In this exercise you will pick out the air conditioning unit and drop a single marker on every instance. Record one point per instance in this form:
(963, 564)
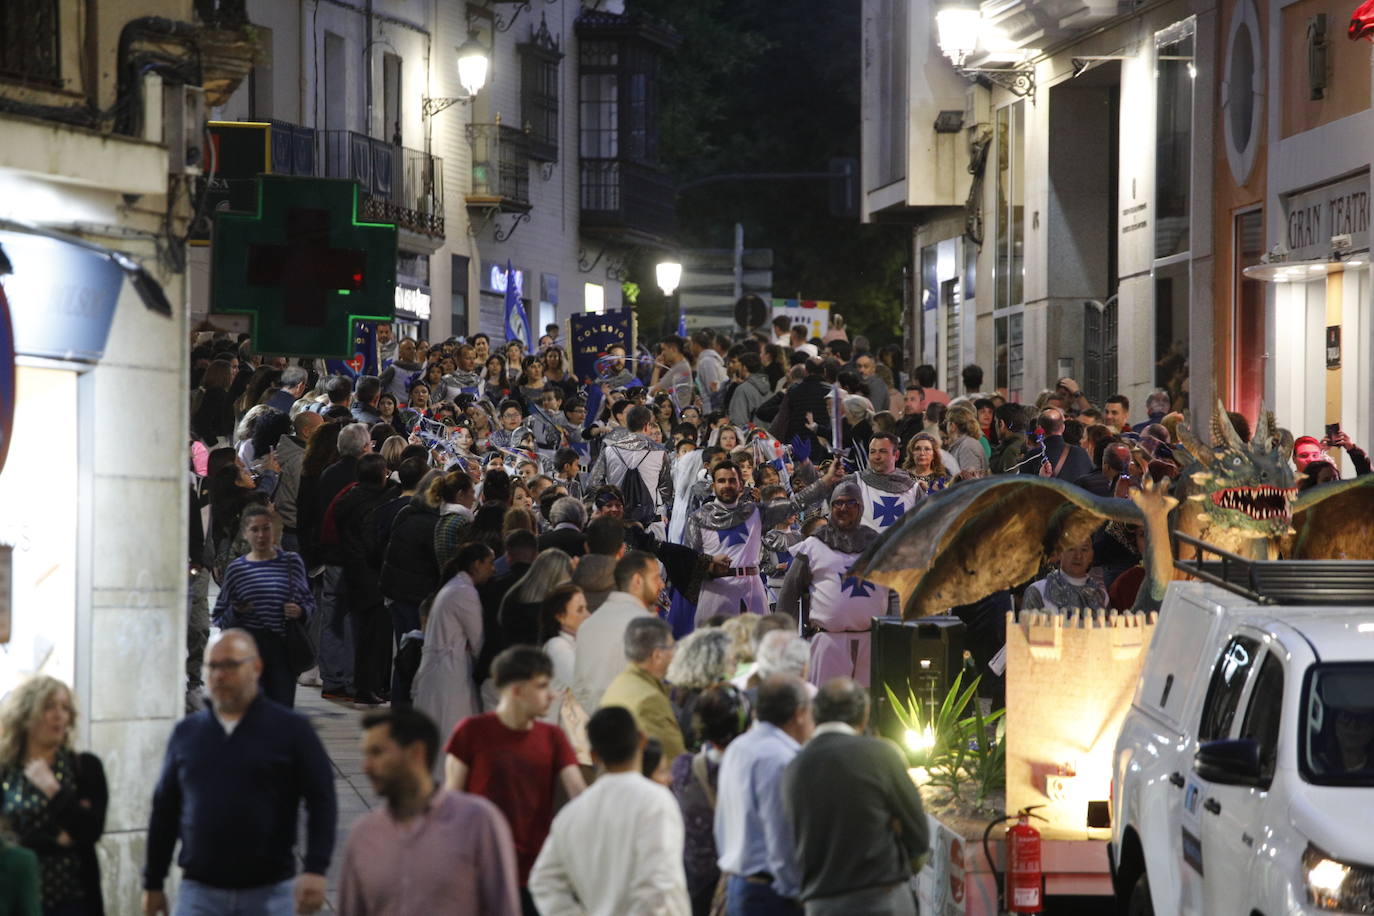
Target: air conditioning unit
(183, 128)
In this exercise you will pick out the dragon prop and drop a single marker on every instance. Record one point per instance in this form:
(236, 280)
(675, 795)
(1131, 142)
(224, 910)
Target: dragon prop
(982, 536)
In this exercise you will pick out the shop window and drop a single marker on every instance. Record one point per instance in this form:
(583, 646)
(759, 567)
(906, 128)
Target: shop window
(593, 298)
(1172, 290)
(1009, 269)
(1174, 75)
(539, 74)
(29, 41)
(458, 295)
(391, 98)
(260, 80)
(1249, 315)
(39, 525)
(1009, 355)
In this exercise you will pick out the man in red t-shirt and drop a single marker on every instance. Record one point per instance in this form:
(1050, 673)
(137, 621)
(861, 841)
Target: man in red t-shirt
(511, 758)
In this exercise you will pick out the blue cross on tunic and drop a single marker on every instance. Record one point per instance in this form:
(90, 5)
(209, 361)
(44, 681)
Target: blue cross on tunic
(733, 537)
(888, 510)
(856, 587)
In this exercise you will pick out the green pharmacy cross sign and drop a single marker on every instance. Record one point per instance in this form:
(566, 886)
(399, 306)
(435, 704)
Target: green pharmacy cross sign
(303, 267)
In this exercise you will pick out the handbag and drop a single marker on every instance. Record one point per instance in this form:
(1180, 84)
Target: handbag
(300, 648)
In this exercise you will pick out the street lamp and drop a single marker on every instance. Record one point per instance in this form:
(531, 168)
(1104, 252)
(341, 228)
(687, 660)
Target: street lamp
(669, 275)
(961, 29)
(957, 24)
(473, 64)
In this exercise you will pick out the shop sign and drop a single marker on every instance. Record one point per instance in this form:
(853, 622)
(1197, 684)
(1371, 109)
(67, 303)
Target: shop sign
(413, 302)
(592, 335)
(1314, 216)
(494, 279)
(63, 296)
(813, 313)
(304, 266)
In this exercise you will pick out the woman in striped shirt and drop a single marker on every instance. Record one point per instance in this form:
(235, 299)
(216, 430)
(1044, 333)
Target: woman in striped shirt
(260, 591)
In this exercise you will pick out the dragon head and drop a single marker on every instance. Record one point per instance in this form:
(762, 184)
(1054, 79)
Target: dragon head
(1245, 488)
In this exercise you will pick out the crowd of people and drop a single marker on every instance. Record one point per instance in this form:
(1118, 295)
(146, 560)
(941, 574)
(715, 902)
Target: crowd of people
(603, 629)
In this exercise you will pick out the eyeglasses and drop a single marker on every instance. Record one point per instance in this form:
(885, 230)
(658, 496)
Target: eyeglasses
(229, 664)
(844, 502)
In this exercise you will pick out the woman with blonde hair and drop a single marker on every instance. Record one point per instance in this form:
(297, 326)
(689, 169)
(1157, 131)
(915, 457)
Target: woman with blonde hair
(703, 659)
(53, 797)
(961, 425)
(391, 451)
(924, 463)
(519, 615)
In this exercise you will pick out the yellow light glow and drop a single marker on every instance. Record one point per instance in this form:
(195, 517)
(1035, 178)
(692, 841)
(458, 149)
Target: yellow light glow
(1327, 875)
(920, 741)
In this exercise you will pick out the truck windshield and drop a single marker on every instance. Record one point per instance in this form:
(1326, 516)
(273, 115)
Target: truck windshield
(1338, 744)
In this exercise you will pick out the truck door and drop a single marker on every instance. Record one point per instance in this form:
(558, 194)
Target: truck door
(1230, 675)
(1233, 818)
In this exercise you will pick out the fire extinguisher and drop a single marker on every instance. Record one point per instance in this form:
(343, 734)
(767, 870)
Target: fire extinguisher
(1024, 891)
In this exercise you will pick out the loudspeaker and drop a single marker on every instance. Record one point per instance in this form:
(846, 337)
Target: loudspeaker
(920, 657)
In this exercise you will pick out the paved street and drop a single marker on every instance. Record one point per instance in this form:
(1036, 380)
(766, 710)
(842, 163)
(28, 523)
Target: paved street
(338, 729)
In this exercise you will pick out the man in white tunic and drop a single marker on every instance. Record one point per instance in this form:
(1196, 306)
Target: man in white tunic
(836, 607)
(730, 532)
(887, 492)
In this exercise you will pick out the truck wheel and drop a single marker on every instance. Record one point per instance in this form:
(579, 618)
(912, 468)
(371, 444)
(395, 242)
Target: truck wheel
(1140, 903)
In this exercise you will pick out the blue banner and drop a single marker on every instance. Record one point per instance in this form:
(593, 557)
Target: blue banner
(364, 361)
(517, 322)
(591, 335)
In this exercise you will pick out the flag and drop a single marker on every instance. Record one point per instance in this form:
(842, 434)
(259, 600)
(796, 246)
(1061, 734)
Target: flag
(682, 319)
(836, 420)
(594, 399)
(517, 322)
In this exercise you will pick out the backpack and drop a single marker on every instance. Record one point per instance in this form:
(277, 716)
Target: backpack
(639, 502)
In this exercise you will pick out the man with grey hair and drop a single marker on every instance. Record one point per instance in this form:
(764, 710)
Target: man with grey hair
(331, 627)
(878, 814)
(567, 516)
(753, 837)
(836, 609)
(640, 688)
(291, 456)
(289, 389)
(1157, 406)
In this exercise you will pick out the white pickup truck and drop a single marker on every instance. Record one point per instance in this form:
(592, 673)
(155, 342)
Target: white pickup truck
(1243, 778)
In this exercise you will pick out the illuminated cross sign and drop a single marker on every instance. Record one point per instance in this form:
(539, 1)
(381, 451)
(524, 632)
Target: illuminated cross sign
(303, 267)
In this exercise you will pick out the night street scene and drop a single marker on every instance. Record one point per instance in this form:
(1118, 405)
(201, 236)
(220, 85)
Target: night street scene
(686, 457)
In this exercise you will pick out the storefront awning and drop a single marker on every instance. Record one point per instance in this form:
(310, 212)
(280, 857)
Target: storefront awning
(1300, 271)
(62, 291)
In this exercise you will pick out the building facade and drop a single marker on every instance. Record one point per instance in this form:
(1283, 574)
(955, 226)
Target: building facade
(1059, 184)
(100, 110)
(551, 168)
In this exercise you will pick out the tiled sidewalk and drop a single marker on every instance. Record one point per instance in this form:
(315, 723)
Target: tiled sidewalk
(338, 728)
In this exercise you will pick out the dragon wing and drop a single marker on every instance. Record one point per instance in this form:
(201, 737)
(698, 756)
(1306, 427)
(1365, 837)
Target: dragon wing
(1334, 521)
(982, 536)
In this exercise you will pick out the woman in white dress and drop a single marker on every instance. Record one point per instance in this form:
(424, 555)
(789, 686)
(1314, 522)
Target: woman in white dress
(444, 689)
(563, 611)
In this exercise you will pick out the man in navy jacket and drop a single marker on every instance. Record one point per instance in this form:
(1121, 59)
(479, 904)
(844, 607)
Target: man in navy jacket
(230, 790)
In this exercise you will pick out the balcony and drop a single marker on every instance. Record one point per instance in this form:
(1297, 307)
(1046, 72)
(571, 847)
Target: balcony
(500, 168)
(400, 185)
(626, 202)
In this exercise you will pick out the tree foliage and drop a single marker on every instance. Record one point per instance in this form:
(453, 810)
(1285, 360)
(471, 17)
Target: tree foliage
(773, 86)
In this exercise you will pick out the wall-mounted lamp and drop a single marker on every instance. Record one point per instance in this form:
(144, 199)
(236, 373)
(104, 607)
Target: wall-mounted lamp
(473, 63)
(960, 30)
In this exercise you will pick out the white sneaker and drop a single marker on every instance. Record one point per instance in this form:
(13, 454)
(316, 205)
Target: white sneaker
(310, 678)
